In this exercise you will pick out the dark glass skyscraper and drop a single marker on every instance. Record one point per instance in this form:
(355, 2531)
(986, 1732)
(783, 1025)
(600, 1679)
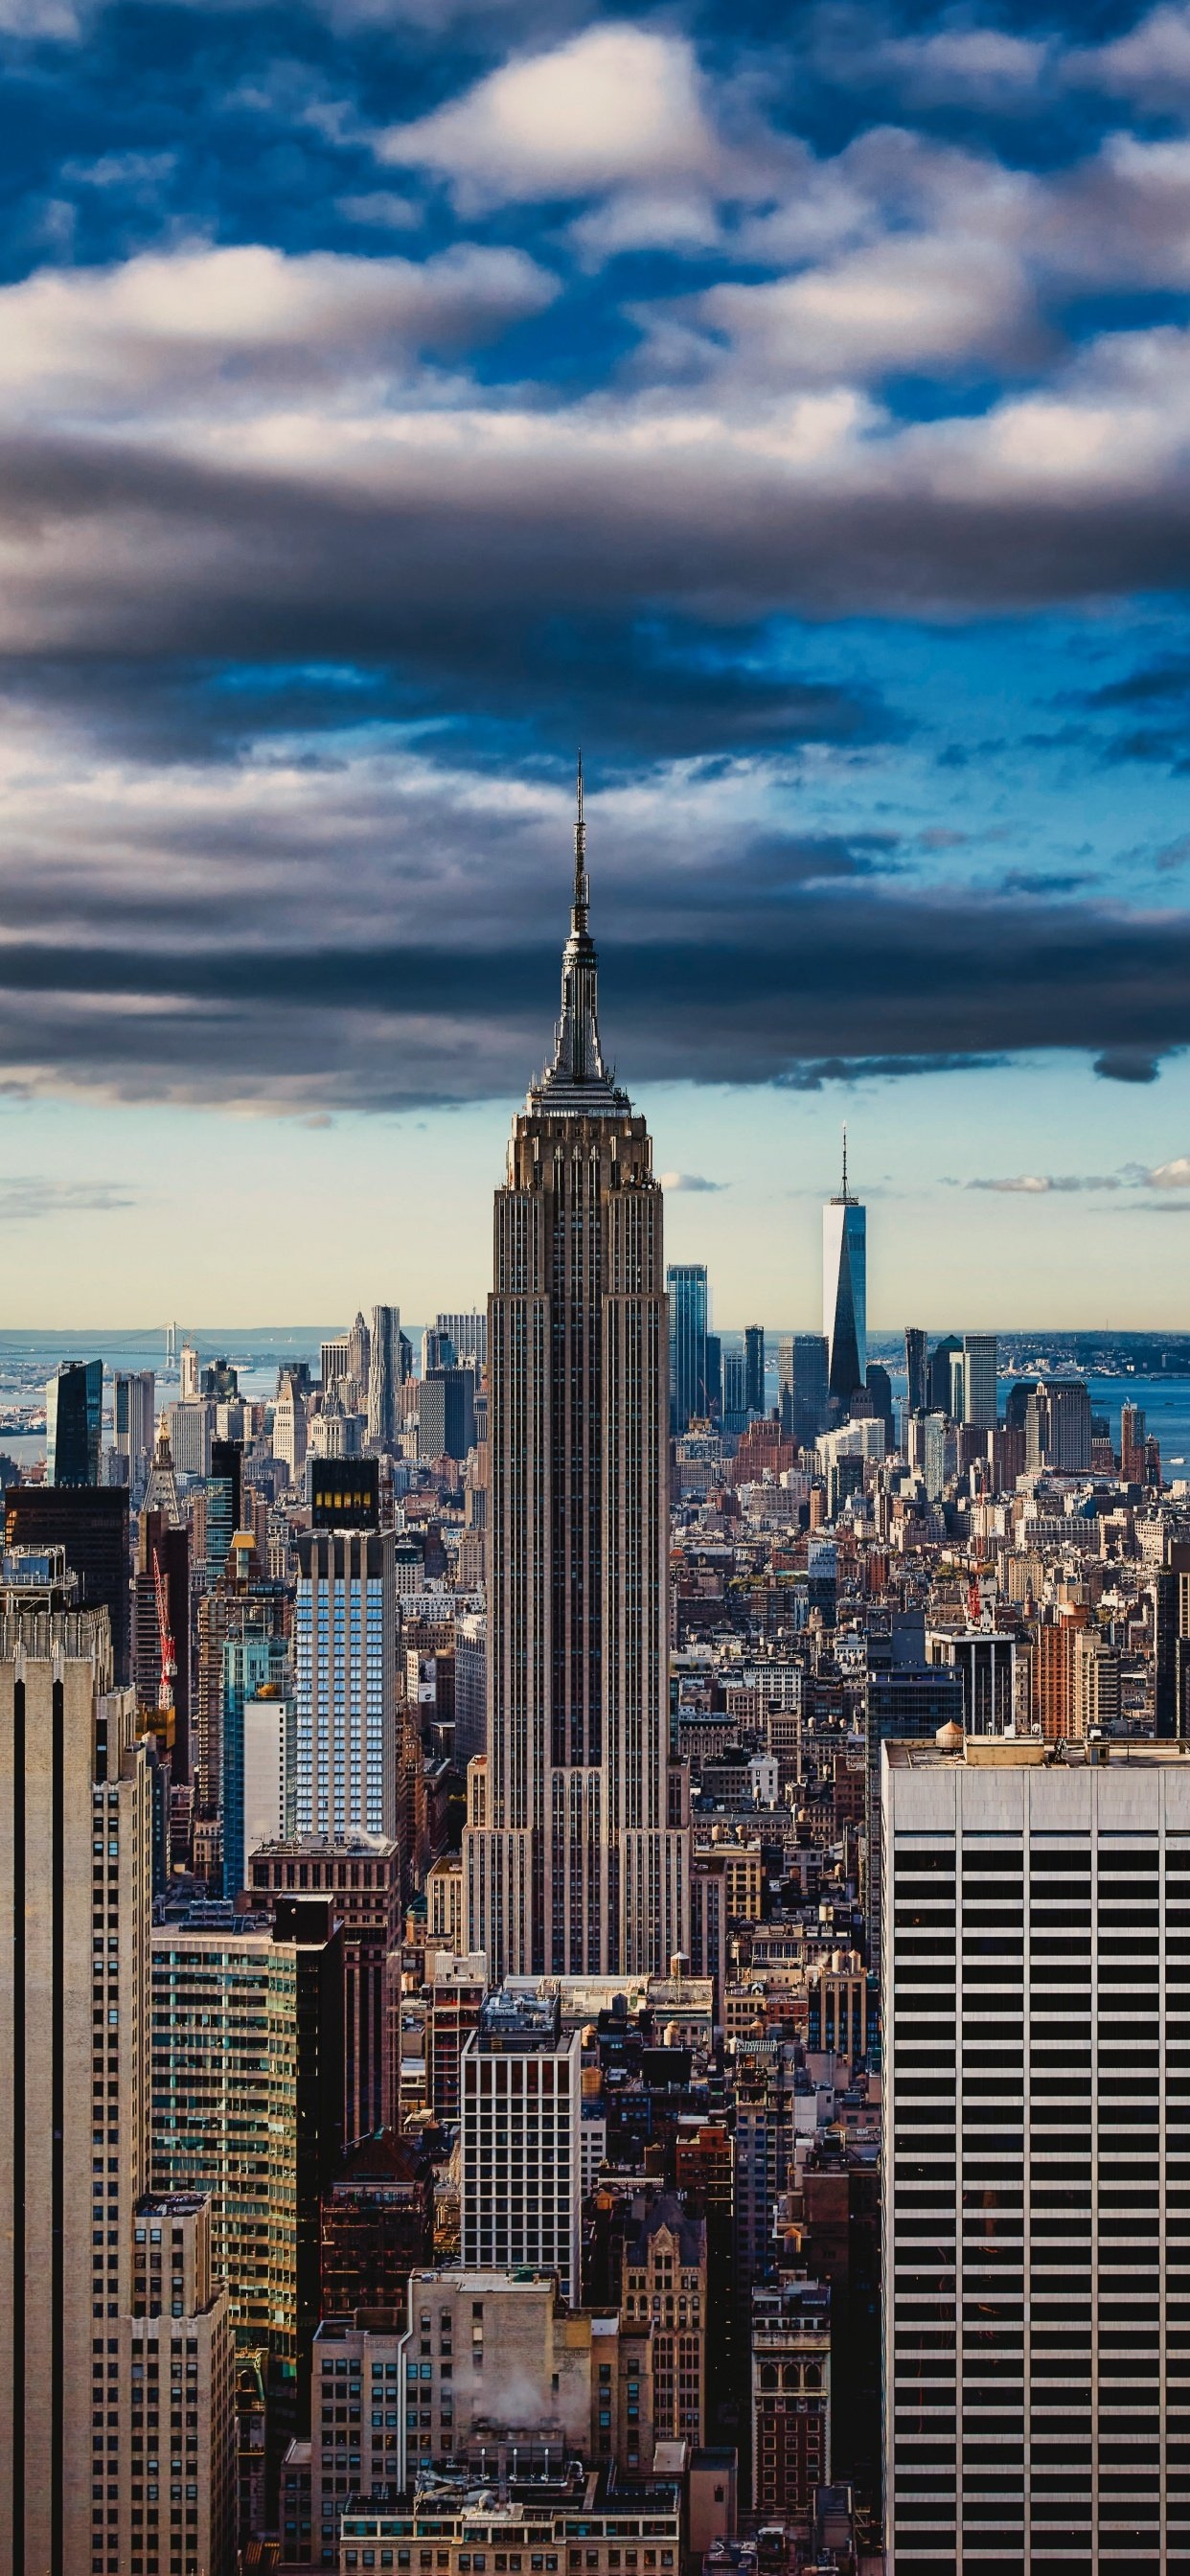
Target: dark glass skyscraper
(223, 1503)
(845, 1291)
(686, 1288)
(754, 1368)
(74, 1423)
(917, 1367)
(805, 1402)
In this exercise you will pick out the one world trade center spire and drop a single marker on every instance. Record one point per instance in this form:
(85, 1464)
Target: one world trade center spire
(845, 1294)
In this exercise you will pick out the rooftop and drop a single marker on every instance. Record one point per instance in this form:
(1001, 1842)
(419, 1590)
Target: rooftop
(1019, 1753)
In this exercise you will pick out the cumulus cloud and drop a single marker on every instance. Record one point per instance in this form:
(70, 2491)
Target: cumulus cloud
(1171, 1176)
(1150, 65)
(951, 65)
(615, 106)
(245, 325)
(678, 1181)
(903, 303)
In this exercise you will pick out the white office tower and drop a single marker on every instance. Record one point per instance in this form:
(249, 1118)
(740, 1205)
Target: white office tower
(344, 1721)
(289, 1426)
(520, 2079)
(1037, 2159)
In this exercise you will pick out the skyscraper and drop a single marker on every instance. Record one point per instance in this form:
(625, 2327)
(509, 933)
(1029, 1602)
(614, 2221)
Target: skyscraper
(754, 1368)
(133, 1420)
(75, 1851)
(979, 1380)
(345, 1682)
(845, 1291)
(521, 2083)
(289, 1426)
(917, 1367)
(735, 1390)
(576, 1853)
(1058, 1426)
(468, 1335)
(686, 1288)
(384, 1377)
(74, 1423)
(446, 1413)
(1132, 1444)
(1032, 2137)
(714, 1376)
(91, 1523)
(805, 1400)
(223, 1503)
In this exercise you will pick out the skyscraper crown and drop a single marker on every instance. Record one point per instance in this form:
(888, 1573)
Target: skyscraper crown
(578, 1079)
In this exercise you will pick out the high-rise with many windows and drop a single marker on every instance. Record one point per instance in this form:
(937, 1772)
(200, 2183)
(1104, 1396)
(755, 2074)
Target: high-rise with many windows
(75, 1897)
(1037, 2158)
(345, 1683)
(521, 2087)
(576, 1853)
(134, 1420)
(686, 1289)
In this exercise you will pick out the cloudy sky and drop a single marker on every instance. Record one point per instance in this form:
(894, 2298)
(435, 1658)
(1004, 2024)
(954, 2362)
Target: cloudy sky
(393, 393)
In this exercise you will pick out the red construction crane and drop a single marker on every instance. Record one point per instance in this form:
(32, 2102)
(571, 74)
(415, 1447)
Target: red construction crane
(169, 1660)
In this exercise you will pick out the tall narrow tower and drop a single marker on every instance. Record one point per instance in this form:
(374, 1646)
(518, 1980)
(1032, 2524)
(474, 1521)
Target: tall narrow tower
(576, 1852)
(845, 1291)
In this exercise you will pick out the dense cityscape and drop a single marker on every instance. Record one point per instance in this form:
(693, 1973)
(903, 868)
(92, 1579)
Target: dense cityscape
(571, 2079)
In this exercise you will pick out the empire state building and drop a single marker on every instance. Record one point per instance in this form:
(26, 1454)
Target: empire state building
(576, 1853)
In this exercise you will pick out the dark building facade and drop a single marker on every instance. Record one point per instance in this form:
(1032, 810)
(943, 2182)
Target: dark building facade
(310, 1923)
(754, 1368)
(74, 1423)
(223, 1503)
(171, 1547)
(361, 1875)
(377, 2225)
(446, 1413)
(805, 1394)
(91, 1523)
(344, 1493)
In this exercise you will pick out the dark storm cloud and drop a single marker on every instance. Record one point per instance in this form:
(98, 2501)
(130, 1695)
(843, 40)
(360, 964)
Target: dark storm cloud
(662, 690)
(123, 551)
(1128, 1064)
(873, 314)
(401, 1022)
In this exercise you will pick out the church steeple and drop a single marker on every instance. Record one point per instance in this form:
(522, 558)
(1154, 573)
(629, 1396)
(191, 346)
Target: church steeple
(578, 1078)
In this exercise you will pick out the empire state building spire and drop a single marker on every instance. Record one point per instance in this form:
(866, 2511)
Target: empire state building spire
(578, 1077)
(576, 1850)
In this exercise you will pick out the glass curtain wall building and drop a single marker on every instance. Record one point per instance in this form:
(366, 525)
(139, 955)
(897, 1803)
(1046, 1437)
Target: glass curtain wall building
(74, 1423)
(845, 1292)
(686, 1288)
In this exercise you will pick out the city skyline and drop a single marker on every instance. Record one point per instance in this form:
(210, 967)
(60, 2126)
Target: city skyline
(1036, 1236)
